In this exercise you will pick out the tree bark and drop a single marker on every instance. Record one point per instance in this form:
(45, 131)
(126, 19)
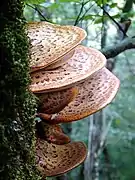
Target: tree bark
(113, 51)
(17, 104)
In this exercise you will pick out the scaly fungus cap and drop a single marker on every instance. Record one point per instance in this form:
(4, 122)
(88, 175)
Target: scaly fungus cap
(83, 64)
(94, 94)
(49, 42)
(61, 60)
(53, 160)
(53, 102)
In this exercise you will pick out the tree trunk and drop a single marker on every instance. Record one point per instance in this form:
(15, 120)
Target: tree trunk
(17, 104)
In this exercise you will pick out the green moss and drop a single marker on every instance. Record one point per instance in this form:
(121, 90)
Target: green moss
(17, 104)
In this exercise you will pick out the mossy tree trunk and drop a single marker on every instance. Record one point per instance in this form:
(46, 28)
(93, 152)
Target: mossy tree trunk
(17, 104)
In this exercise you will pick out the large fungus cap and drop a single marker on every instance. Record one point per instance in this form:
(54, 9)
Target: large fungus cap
(51, 133)
(53, 102)
(50, 42)
(94, 94)
(61, 60)
(83, 64)
(53, 160)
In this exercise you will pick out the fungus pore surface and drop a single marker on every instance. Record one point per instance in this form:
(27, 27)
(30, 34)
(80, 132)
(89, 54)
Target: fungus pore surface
(94, 94)
(50, 42)
(53, 102)
(61, 60)
(83, 64)
(54, 159)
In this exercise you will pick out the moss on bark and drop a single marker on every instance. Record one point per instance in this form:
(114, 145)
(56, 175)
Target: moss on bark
(17, 104)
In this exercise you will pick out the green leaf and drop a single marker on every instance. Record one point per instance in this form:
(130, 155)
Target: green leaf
(34, 1)
(98, 21)
(117, 122)
(129, 14)
(100, 2)
(54, 6)
(113, 5)
(116, 16)
(90, 16)
(66, 1)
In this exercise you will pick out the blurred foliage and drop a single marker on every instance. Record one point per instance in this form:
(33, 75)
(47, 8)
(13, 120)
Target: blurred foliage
(120, 141)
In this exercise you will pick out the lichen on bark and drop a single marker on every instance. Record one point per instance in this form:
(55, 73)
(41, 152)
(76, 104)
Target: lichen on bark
(17, 104)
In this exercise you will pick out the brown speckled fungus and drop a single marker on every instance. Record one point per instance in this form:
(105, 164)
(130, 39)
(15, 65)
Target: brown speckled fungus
(82, 65)
(51, 133)
(61, 61)
(54, 159)
(49, 42)
(54, 102)
(94, 94)
(71, 82)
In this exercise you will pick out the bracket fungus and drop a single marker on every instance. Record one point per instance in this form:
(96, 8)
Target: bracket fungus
(54, 102)
(53, 160)
(61, 61)
(51, 133)
(82, 65)
(49, 42)
(71, 82)
(94, 94)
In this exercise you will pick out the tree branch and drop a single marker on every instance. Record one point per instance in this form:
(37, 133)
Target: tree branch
(39, 12)
(78, 17)
(112, 51)
(118, 25)
(86, 11)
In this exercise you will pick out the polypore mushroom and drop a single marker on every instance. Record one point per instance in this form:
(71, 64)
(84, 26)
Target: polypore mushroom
(53, 46)
(51, 133)
(83, 64)
(62, 60)
(94, 94)
(53, 102)
(54, 159)
(49, 42)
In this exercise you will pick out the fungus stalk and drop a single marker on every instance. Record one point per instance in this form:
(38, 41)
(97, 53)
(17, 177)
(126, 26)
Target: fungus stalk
(17, 104)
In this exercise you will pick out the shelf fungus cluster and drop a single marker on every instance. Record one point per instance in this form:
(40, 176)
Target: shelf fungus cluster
(71, 82)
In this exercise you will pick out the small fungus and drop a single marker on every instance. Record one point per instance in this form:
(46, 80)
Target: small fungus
(51, 133)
